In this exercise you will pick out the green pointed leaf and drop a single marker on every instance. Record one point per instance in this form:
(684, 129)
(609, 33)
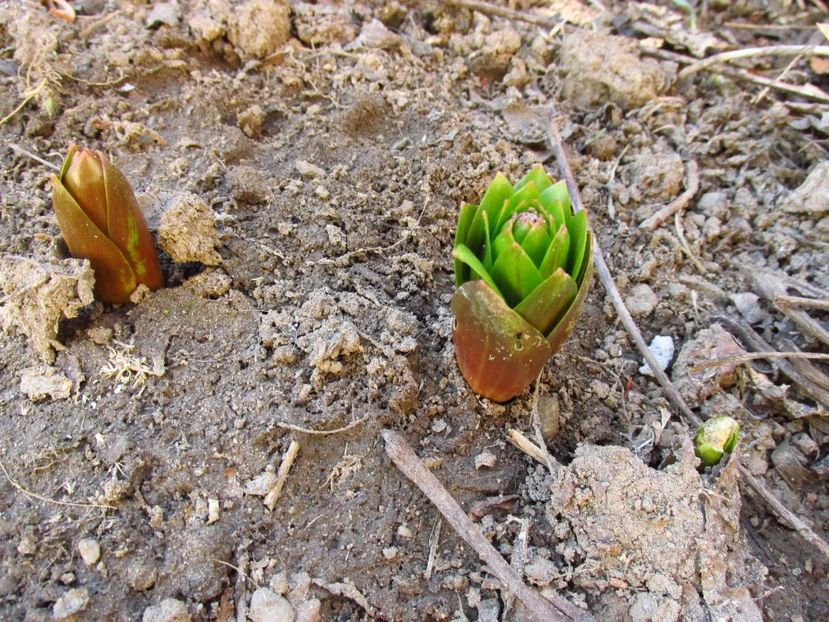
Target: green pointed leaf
(578, 242)
(556, 201)
(538, 176)
(498, 352)
(502, 241)
(536, 242)
(560, 331)
(496, 194)
(516, 274)
(557, 252)
(488, 256)
(464, 222)
(475, 235)
(464, 254)
(518, 202)
(548, 302)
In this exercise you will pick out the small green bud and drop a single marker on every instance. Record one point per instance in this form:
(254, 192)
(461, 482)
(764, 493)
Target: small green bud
(715, 437)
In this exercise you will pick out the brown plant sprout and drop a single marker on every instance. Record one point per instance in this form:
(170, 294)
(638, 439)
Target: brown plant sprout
(101, 221)
(523, 268)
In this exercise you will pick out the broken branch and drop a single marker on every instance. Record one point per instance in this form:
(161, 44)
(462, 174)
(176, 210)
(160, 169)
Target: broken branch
(543, 610)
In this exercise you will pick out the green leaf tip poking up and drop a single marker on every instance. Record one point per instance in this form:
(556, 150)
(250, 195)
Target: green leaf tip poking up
(101, 221)
(524, 246)
(714, 438)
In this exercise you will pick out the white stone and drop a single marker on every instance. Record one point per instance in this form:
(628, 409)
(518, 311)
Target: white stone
(309, 611)
(168, 610)
(641, 300)
(485, 459)
(74, 601)
(268, 606)
(44, 382)
(308, 170)
(748, 304)
(89, 550)
(812, 197)
(662, 348)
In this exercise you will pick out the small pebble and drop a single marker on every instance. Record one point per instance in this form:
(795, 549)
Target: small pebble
(641, 300)
(168, 610)
(662, 348)
(89, 550)
(485, 459)
(748, 304)
(390, 552)
(308, 170)
(212, 511)
(74, 601)
(261, 485)
(322, 192)
(268, 606)
(404, 531)
(308, 611)
(279, 583)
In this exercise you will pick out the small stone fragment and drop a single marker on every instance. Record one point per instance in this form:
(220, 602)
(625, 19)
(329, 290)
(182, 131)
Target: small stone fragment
(71, 603)
(375, 35)
(267, 606)
(748, 304)
(260, 27)
(251, 120)
(662, 348)
(141, 575)
(163, 13)
(812, 196)
(309, 611)
(213, 511)
(641, 300)
(261, 485)
(541, 571)
(168, 610)
(44, 382)
(279, 583)
(187, 231)
(390, 552)
(89, 550)
(485, 459)
(308, 170)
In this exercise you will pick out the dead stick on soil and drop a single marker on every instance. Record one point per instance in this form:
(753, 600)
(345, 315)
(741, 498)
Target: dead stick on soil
(33, 156)
(679, 203)
(34, 495)
(667, 386)
(524, 444)
(501, 11)
(346, 428)
(544, 610)
(282, 475)
(770, 50)
(29, 96)
(745, 358)
(807, 90)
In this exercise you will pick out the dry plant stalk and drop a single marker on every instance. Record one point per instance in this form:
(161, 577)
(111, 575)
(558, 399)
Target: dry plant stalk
(282, 475)
(678, 204)
(552, 608)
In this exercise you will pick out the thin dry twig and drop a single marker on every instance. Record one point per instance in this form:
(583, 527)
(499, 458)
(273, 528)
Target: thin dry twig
(502, 11)
(26, 99)
(33, 156)
(282, 475)
(800, 301)
(805, 531)
(345, 428)
(770, 50)
(521, 442)
(809, 91)
(34, 495)
(554, 607)
(779, 77)
(679, 203)
(745, 358)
